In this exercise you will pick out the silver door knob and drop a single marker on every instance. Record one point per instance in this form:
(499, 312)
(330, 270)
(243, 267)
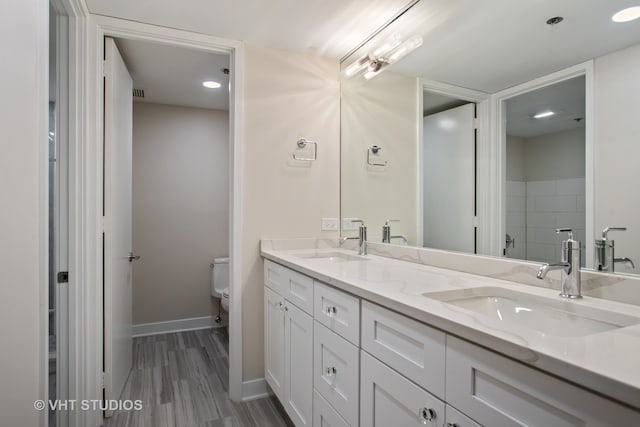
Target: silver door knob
(133, 257)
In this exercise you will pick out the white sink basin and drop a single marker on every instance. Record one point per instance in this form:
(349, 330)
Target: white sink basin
(331, 256)
(547, 316)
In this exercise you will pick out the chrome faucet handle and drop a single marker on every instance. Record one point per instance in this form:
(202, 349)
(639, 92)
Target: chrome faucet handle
(565, 230)
(358, 220)
(391, 220)
(608, 229)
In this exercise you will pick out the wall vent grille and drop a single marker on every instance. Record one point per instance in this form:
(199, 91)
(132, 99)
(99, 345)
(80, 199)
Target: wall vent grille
(138, 93)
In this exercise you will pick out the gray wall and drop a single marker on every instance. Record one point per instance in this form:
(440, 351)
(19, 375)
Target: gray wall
(287, 96)
(180, 209)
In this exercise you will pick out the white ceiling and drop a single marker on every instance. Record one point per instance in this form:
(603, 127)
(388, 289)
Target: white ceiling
(491, 45)
(172, 75)
(328, 28)
(566, 98)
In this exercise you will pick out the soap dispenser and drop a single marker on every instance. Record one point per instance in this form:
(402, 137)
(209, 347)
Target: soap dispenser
(605, 252)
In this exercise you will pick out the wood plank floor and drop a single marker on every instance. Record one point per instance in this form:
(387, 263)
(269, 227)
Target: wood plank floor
(182, 380)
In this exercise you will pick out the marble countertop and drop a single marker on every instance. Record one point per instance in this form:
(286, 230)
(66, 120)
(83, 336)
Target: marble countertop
(606, 362)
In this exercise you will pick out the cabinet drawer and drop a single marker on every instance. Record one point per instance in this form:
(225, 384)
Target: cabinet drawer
(389, 399)
(324, 415)
(336, 372)
(455, 418)
(295, 287)
(338, 311)
(410, 347)
(497, 391)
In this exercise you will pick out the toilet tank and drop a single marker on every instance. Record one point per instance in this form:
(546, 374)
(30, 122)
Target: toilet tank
(219, 276)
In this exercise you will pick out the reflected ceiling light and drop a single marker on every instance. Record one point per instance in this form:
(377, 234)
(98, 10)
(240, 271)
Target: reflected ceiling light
(544, 114)
(210, 84)
(381, 57)
(626, 15)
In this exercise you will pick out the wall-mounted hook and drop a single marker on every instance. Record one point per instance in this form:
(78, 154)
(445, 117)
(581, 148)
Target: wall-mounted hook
(302, 143)
(374, 149)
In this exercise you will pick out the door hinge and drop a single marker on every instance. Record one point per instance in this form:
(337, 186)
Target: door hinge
(63, 277)
(475, 123)
(475, 221)
(102, 380)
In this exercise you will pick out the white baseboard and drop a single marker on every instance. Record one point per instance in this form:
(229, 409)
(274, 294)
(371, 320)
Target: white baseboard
(254, 389)
(194, 323)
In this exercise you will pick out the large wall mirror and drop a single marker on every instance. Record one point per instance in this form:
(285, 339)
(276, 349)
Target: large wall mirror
(482, 127)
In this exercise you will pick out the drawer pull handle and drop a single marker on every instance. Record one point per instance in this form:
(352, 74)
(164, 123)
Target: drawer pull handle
(426, 415)
(331, 309)
(331, 371)
(281, 306)
(452, 425)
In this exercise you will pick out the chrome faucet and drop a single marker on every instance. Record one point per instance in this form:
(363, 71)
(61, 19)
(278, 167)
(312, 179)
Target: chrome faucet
(362, 237)
(570, 265)
(605, 252)
(386, 232)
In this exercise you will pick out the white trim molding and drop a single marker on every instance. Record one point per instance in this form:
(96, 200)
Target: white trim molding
(180, 325)
(254, 389)
(85, 191)
(498, 128)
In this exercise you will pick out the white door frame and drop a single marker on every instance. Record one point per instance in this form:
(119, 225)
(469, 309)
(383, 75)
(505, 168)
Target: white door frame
(499, 143)
(483, 157)
(85, 175)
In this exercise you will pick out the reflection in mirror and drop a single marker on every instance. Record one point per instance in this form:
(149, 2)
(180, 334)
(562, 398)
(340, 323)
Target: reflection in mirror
(482, 52)
(545, 170)
(448, 174)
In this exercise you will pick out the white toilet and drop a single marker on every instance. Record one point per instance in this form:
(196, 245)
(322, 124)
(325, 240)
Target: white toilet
(220, 281)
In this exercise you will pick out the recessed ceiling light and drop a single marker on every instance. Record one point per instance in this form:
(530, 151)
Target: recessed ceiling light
(626, 15)
(210, 84)
(544, 114)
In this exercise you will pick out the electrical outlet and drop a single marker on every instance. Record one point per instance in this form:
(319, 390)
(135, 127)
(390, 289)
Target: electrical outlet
(347, 224)
(330, 224)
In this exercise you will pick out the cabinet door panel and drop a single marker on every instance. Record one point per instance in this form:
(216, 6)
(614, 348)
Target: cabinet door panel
(389, 399)
(298, 389)
(496, 391)
(455, 418)
(410, 347)
(274, 341)
(300, 291)
(338, 311)
(336, 372)
(324, 415)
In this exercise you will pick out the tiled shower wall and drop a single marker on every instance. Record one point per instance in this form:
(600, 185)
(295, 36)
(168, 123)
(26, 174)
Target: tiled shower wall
(536, 208)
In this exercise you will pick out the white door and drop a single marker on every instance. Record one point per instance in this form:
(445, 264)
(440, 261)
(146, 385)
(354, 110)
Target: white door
(274, 341)
(298, 362)
(449, 179)
(118, 125)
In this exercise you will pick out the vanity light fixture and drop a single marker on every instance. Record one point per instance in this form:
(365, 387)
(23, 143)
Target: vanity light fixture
(380, 58)
(544, 114)
(210, 84)
(626, 15)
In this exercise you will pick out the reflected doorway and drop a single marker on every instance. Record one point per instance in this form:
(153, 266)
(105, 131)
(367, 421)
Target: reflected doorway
(545, 170)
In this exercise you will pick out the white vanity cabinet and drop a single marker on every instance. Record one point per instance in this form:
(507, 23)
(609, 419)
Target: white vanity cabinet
(497, 391)
(289, 356)
(334, 359)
